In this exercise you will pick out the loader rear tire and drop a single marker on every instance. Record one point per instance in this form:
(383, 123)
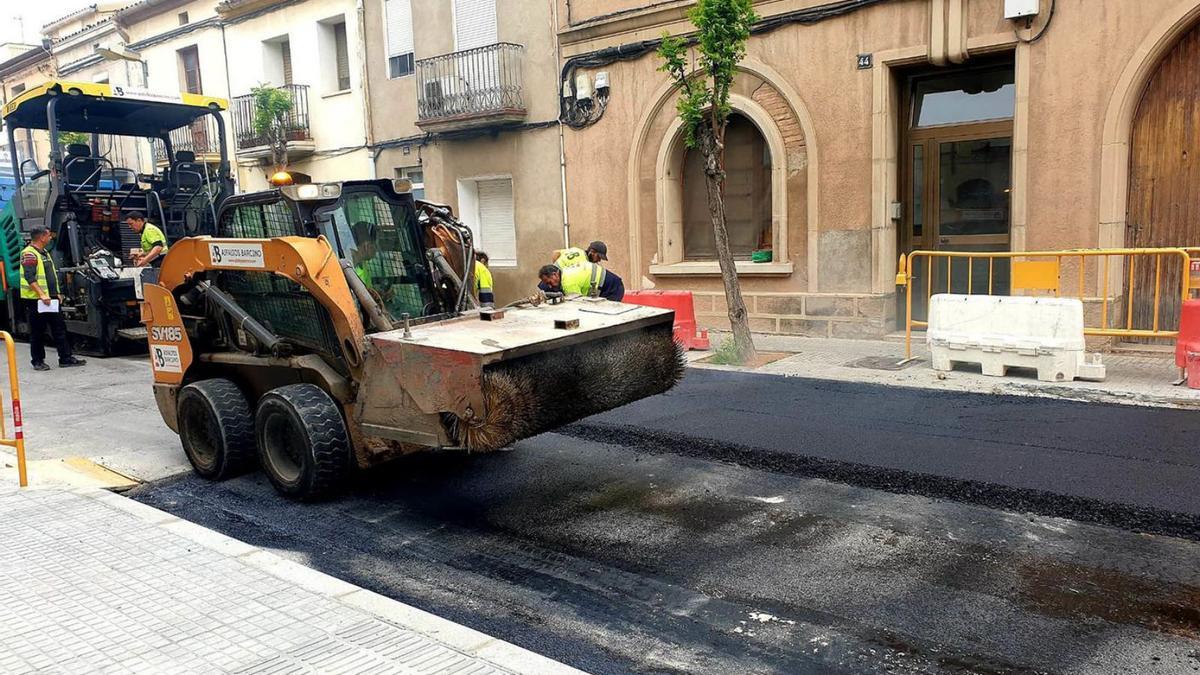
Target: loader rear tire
(216, 428)
(303, 445)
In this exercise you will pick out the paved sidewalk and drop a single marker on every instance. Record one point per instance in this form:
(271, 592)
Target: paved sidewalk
(1133, 378)
(93, 582)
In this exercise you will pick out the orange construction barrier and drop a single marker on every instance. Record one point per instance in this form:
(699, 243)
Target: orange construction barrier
(687, 334)
(1188, 342)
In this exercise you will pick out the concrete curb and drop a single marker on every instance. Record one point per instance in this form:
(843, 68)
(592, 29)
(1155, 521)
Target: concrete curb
(466, 640)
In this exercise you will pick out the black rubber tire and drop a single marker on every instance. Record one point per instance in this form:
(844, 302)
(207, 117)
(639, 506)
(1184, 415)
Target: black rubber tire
(216, 428)
(303, 445)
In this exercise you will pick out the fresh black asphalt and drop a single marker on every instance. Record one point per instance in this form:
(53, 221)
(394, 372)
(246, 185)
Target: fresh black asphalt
(758, 524)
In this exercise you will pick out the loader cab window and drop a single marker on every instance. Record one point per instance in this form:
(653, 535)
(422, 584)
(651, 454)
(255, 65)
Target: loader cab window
(379, 238)
(259, 221)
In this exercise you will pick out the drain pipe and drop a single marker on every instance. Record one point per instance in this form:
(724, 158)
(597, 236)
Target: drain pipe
(562, 140)
(368, 117)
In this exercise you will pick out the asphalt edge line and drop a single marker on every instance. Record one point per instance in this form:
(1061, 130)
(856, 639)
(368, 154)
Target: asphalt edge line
(1007, 388)
(469, 641)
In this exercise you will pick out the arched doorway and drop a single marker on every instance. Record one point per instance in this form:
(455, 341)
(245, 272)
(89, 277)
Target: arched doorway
(747, 195)
(1164, 172)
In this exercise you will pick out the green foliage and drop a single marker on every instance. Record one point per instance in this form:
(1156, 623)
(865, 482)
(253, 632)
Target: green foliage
(272, 106)
(727, 353)
(722, 29)
(66, 138)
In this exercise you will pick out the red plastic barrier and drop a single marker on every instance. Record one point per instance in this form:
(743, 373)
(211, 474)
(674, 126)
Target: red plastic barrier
(1189, 334)
(687, 333)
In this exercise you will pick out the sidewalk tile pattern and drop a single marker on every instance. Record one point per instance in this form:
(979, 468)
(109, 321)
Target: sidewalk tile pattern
(86, 588)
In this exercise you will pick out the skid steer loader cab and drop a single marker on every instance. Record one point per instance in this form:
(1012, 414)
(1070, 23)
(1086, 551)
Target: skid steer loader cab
(329, 326)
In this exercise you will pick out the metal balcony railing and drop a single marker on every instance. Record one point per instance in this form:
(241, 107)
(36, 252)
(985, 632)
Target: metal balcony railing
(296, 121)
(478, 82)
(200, 137)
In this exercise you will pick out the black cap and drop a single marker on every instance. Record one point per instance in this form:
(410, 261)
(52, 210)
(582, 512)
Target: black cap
(600, 248)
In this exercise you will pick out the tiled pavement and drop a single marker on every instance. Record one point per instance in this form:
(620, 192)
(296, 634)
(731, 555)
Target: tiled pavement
(1132, 378)
(91, 582)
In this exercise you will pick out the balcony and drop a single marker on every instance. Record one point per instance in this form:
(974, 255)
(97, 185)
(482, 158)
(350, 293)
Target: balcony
(471, 89)
(254, 144)
(201, 138)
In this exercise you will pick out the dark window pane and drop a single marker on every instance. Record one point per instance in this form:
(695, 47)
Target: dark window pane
(918, 194)
(974, 187)
(747, 195)
(399, 66)
(971, 96)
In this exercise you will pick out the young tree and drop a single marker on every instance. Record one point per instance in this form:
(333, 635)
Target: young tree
(723, 27)
(272, 112)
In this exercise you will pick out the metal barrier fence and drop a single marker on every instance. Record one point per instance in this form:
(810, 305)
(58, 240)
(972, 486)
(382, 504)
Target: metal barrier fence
(18, 439)
(1147, 312)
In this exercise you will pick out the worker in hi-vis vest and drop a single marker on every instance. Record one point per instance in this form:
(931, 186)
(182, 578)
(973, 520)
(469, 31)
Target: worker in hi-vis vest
(484, 291)
(570, 257)
(589, 280)
(41, 296)
(154, 242)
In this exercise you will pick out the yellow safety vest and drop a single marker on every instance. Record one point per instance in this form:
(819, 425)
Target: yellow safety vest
(150, 235)
(483, 278)
(583, 279)
(571, 257)
(27, 291)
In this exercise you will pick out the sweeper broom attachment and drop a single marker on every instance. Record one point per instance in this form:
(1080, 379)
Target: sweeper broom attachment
(537, 393)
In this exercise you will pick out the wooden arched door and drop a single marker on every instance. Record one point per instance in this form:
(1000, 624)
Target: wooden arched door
(1164, 176)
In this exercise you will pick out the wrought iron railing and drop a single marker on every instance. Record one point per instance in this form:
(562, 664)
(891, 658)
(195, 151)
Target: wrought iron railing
(200, 137)
(475, 82)
(295, 122)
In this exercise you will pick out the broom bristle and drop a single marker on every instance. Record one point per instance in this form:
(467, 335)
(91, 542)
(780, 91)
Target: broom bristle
(528, 396)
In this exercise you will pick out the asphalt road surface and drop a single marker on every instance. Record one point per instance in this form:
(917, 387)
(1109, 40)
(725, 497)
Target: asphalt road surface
(758, 524)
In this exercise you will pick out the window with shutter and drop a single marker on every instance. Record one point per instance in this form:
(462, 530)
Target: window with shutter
(474, 24)
(343, 56)
(497, 225)
(285, 56)
(189, 67)
(399, 37)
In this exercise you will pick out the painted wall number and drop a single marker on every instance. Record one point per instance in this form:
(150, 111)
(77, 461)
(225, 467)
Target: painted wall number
(866, 61)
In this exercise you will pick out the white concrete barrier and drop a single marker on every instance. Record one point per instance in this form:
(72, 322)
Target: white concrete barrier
(1000, 332)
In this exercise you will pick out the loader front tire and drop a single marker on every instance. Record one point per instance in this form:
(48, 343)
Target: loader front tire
(303, 445)
(216, 428)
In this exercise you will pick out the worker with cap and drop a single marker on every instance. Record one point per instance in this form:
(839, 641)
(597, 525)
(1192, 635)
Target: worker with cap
(483, 280)
(570, 257)
(154, 242)
(39, 293)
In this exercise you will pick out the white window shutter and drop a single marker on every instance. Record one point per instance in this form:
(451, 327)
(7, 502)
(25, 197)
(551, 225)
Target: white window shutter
(474, 24)
(497, 226)
(399, 27)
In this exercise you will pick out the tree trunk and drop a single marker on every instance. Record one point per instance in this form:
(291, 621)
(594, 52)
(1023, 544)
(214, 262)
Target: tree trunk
(714, 173)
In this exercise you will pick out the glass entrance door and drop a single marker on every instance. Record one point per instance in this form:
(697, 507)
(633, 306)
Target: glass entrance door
(957, 179)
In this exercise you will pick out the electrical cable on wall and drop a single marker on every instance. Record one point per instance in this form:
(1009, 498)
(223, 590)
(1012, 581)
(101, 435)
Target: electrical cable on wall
(581, 112)
(1041, 32)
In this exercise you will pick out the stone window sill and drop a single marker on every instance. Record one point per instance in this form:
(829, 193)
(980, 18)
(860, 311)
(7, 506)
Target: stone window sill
(704, 268)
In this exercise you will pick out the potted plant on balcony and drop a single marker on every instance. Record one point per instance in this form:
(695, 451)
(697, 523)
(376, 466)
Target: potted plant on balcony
(272, 113)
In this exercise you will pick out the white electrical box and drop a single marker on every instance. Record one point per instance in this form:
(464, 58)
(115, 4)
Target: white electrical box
(1019, 9)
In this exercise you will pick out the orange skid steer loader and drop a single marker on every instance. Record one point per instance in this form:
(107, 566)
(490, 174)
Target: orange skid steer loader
(330, 327)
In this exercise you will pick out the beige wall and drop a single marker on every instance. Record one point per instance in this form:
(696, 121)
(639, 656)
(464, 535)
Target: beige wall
(337, 118)
(841, 239)
(530, 157)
